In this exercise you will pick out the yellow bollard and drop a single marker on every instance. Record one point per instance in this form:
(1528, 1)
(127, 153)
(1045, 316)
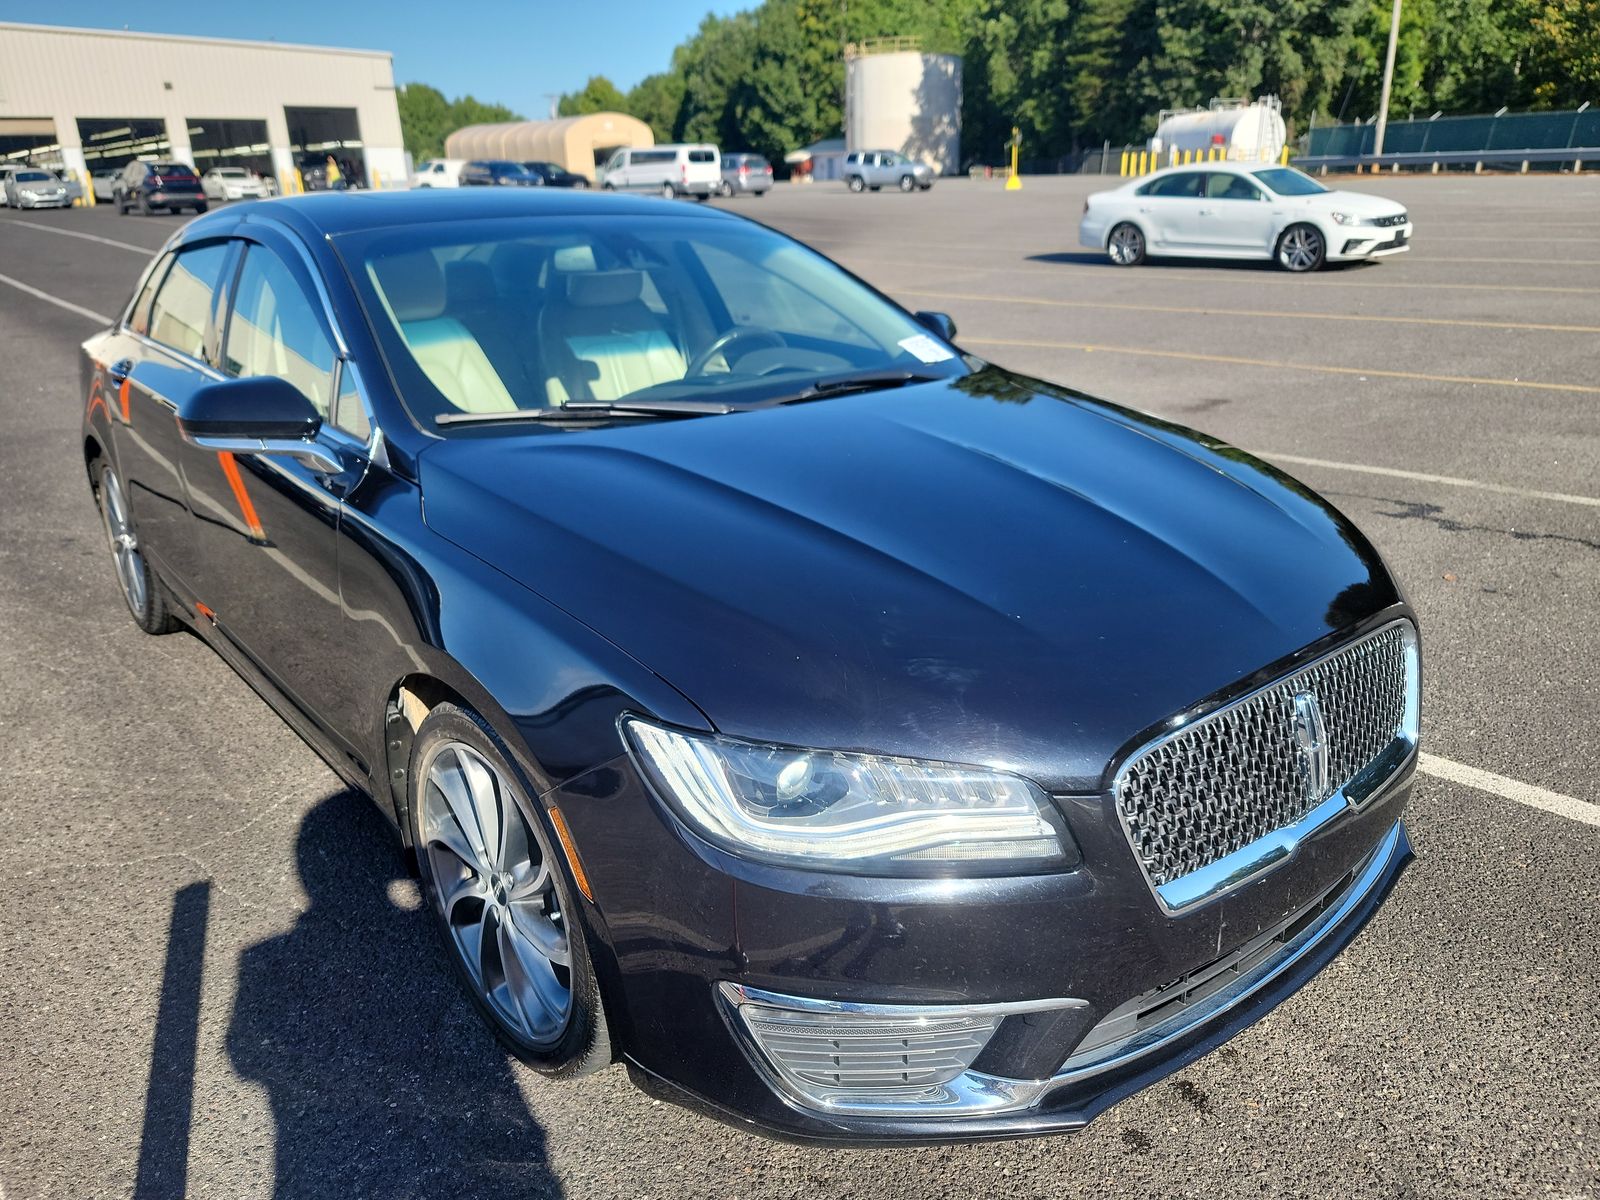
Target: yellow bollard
(1283, 158)
(299, 182)
(377, 181)
(1124, 169)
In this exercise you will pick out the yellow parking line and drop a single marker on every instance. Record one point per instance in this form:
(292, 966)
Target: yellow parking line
(1221, 275)
(1283, 366)
(1248, 312)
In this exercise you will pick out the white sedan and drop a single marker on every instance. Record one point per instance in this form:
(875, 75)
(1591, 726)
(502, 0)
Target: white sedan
(1241, 210)
(233, 183)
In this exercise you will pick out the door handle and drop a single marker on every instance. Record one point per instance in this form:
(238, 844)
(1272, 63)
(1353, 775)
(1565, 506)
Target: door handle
(120, 370)
(1207, 212)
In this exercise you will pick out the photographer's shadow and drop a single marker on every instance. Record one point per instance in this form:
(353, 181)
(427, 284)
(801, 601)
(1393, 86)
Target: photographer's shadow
(383, 1081)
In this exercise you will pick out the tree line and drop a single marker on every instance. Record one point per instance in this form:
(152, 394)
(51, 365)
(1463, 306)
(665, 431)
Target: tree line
(1075, 73)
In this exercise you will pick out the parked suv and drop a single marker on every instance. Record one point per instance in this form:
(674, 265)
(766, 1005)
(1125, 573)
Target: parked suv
(671, 170)
(148, 186)
(746, 174)
(497, 173)
(555, 175)
(873, 169)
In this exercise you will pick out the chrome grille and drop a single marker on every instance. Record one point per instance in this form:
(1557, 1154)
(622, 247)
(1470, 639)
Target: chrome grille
(1238, 774)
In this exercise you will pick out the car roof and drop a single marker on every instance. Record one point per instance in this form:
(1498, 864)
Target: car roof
(328, 214)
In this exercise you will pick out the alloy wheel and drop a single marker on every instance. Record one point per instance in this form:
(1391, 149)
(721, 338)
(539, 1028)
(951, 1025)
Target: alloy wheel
(1127, 245)
(1301, 248)
(496, 891)
(124, 543)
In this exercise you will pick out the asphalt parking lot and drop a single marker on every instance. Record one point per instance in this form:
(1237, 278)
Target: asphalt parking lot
(215, 981)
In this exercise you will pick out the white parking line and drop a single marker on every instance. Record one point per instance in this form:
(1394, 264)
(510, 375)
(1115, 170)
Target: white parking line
(99, 318)
(147, 251)
(1511, 789)
(1423, 477)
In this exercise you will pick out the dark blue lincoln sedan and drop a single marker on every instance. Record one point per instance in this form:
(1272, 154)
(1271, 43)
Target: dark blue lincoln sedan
(859, 741)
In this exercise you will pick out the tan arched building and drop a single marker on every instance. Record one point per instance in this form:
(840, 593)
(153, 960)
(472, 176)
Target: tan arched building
(577, 143)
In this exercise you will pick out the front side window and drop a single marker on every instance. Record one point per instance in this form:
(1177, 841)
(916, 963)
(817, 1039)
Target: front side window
(181, 310)
(275, 328)
(139, 319)
(1223, 185)
(480, 317)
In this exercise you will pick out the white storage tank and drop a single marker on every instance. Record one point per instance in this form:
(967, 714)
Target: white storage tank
(1247, 132)
(898, 98)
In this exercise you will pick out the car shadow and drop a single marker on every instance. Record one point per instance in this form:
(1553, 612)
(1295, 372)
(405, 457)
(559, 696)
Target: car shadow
(382, 1079)
(1092, 258)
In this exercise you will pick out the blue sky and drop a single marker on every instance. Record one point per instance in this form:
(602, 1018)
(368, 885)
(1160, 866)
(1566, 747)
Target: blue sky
(498, 50)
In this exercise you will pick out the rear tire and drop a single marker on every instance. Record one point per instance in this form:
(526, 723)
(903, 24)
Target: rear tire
(579, 185)
(857, 184)
(668, 192)
(201, 207)
(140, 587)
(1126, 245)
(514, 893)
(1301, 249)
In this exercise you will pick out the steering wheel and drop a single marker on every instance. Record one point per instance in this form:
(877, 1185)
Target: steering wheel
(739, 333)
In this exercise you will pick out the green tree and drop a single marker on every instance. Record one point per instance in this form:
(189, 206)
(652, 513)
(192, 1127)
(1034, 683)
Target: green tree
(424, 120)
(656, 100)
(598, 95)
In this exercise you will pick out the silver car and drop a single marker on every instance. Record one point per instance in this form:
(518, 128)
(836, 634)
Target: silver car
(746, 175)
(34, 187)
(869, 170)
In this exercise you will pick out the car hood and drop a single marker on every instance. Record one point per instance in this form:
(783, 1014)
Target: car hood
(1356, 203)
(979, 570)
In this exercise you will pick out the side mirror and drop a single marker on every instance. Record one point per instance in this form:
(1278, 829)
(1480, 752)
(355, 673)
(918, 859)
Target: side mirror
(259, 415)
(939, 323)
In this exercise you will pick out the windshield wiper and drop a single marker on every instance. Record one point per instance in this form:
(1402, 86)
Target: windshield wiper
(590, 410)
(865, 381)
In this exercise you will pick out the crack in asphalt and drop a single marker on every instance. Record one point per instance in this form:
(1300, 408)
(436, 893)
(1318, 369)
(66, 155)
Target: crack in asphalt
(1433, 514)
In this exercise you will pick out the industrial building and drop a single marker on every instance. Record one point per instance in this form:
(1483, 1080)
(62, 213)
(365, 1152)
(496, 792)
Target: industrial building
(86, 99)
(580, 144)
(899, 98)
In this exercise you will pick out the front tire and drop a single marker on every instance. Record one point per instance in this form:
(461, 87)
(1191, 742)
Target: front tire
(200, 208)
(140, 588)
(1126, 245)
(1302, 248)
(907, 183)
(726, 190)
(499, 895)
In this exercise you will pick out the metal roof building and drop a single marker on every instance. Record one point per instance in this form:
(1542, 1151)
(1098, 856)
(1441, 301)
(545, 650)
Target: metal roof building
(576, 143)
(82, 99)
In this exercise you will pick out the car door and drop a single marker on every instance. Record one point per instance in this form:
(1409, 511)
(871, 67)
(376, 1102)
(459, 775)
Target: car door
(155, 360)
(269, 523)
(1235, 217)
(1170, 207)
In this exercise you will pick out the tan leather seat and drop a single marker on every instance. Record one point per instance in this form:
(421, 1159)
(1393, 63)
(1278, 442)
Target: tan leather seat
(413, 286)
(603, 342)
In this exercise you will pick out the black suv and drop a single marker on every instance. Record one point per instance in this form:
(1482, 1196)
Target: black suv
(555, 175)
(148, 186)
(491, 173)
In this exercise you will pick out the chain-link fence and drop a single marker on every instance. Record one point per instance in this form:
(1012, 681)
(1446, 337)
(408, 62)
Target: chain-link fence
(1506, 134)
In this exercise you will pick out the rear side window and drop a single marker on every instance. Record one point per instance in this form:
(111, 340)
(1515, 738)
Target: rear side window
(1184, 183)
(139, 320)
(702, 156)
(1224, 186)
(275, 328)
(182, 307)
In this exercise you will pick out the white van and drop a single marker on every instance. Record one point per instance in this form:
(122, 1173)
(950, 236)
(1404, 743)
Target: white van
(671, 170)
(438, 172)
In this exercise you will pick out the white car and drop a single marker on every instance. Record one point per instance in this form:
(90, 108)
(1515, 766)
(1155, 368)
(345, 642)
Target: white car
(438, 173)
(233, 183)
(1241, 210)
(34, 187)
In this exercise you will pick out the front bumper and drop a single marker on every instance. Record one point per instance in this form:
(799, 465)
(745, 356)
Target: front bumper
(32, 200)
(1062, 962)
(1350, 243)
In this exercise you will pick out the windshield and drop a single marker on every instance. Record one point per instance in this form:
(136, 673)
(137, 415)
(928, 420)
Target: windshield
(1286, 181)
(33, 177)
(503, 316)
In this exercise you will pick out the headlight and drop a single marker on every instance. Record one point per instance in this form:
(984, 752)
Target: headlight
(1348, 219)
(860, 814)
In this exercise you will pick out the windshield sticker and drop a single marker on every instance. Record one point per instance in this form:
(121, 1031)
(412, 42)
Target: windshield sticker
(925, 348)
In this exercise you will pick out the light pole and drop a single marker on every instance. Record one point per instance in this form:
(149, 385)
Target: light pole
(1388, 81)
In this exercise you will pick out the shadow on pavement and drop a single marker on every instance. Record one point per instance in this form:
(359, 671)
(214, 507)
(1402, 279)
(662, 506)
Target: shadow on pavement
(382, 1080)
(1095, 258)
(169, 1098)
